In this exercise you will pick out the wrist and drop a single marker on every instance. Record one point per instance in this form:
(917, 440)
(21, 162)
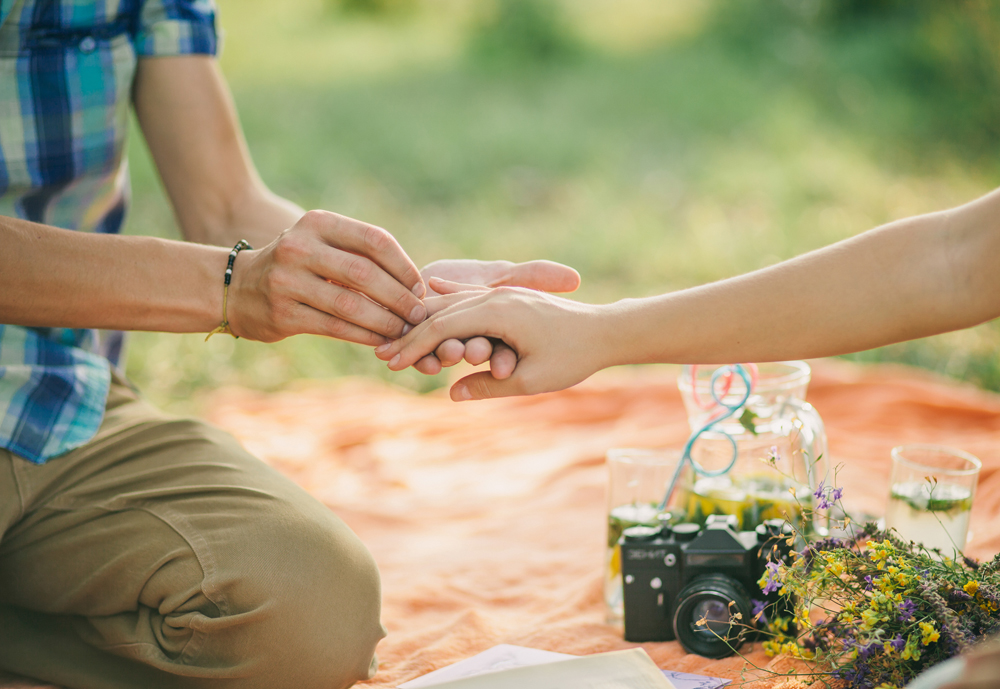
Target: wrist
(228, 312)
(608, 335)
(635, 332)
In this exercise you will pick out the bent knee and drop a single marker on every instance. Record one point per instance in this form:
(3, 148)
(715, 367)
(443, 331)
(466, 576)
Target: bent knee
(301, 601)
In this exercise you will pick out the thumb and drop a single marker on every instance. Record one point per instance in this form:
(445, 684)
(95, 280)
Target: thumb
(544, 276)
(483, 386)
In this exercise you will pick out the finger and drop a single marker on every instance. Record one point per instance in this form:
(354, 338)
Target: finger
(461, 322)
(442, 286)
(435, 304)
(503, 362)
(365, 276)
(429, 365)
(482, 385)
(371, 241)
(478, 350)
(545, 276)
(450, 352)
(354, 308)
(306, 319)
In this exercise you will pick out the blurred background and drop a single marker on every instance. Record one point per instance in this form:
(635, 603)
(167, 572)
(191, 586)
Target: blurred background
(652, 145)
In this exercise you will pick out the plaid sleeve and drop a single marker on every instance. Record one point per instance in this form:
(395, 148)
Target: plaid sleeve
(176, 27)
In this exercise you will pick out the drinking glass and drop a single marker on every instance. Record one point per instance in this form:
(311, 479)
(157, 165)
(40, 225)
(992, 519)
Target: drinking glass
(930, 495)
(637, 482)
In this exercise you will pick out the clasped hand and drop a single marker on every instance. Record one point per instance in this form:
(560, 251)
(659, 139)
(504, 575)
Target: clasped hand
(334, 276)
(558, 342)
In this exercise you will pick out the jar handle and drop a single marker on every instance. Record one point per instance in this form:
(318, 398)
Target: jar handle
(812, 433)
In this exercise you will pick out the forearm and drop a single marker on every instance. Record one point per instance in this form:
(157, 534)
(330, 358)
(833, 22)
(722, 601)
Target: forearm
(51, 277)
(257, 215)
(187, 116)
(912, 278)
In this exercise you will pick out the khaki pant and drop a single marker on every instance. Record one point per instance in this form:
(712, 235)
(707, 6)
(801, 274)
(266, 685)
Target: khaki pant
(163, 555)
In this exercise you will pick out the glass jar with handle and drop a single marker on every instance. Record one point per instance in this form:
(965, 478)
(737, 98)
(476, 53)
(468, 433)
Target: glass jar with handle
(778, 439)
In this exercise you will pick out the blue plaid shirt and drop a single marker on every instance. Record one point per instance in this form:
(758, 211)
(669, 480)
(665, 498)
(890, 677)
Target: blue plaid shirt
(66, 71)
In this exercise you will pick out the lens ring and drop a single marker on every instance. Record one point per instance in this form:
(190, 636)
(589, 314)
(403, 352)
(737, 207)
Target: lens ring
(715, 598)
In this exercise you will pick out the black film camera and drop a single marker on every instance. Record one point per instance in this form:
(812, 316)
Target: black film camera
(674, 576)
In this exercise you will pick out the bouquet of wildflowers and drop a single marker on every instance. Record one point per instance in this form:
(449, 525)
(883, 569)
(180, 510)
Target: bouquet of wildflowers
(872, 611)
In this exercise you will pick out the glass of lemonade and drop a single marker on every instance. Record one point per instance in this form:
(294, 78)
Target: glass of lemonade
(637, 482)
(930, 495)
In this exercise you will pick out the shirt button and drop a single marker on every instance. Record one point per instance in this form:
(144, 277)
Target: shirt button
(88, 44)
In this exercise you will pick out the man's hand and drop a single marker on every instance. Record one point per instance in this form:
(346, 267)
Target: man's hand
(545, 276)
(327, 275)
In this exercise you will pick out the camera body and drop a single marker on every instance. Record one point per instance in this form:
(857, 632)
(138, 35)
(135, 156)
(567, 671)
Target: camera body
(675, 576)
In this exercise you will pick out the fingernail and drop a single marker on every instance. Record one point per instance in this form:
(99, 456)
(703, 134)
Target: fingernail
(419, 289)
(407, 328)
(462, 392)
(382, 347)
(418, 314)
(394, 361)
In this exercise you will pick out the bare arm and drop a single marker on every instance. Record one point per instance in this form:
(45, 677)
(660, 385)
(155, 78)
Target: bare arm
(912, 278)
(309, 279)
(190, 124)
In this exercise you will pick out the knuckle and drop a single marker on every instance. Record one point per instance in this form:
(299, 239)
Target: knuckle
(346, 303)
(376, 240)
(436, 326)
(290, 247)
(393, 326)
(479, 389)
(403, 303)
(359, 270)
(314, 217)
(336, 328)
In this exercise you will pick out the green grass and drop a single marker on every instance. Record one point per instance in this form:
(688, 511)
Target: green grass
(669, 151)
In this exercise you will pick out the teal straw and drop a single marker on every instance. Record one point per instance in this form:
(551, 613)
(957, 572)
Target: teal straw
(686, 454)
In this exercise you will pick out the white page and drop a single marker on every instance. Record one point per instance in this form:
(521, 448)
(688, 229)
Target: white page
(630, 669)
(502, 657)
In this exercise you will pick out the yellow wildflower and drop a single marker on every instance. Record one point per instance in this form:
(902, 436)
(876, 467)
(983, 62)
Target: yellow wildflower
(971, 587)
(930, 634)
(869, 618)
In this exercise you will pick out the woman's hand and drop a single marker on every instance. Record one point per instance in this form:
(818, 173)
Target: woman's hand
(465, 274)
(558, 342)
(327, 275)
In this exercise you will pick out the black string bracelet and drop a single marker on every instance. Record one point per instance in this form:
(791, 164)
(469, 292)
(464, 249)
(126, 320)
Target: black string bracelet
(224, 325)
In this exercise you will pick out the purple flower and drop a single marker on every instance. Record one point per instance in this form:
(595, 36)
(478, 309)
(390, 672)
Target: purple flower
(958, 596)
(758, 610)
(771, 585)
(826, 497)
(869, 584)
(898, 644)
(867, 650)
(906, 610)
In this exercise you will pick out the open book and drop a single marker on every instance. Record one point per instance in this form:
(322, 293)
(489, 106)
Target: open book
(515, 667)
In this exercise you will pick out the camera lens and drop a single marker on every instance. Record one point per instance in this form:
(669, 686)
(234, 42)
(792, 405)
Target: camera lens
(703, 613)
(715, 612)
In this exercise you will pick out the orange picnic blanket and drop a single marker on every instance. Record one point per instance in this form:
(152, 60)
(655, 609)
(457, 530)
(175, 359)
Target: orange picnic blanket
(487, 519)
